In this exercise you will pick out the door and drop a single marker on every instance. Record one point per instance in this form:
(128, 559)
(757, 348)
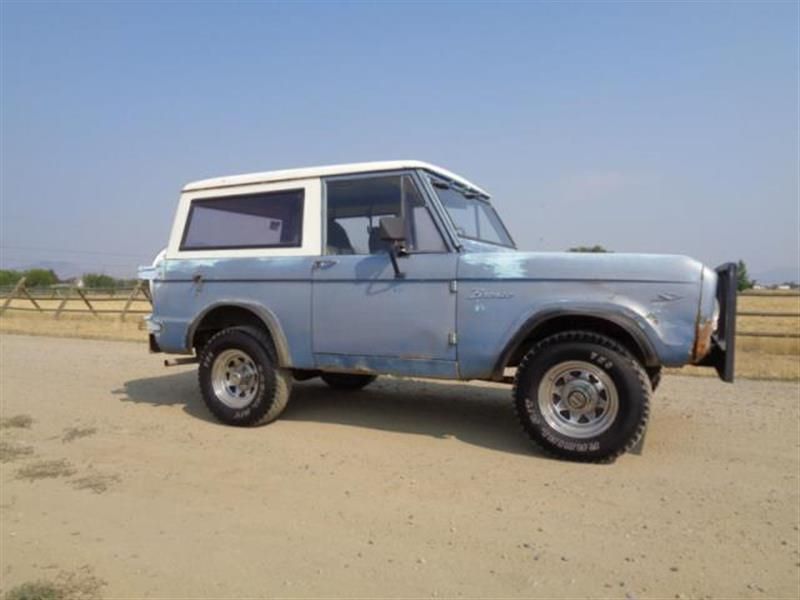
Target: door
(364, 317)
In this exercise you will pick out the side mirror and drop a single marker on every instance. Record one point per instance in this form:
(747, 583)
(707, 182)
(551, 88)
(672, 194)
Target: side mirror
(393, 230)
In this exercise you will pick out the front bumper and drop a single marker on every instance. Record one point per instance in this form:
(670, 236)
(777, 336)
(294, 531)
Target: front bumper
(723, 340)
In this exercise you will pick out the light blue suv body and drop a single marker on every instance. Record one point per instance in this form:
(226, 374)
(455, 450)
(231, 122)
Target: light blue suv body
(456, 306)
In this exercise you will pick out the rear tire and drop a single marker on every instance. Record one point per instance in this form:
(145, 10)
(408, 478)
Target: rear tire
(240, 380)
(582, 396)
(347, 381)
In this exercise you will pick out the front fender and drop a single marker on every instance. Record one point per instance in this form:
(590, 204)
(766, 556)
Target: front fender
(634, 324)
(493, 319)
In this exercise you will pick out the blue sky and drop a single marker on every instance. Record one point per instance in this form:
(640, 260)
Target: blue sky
(645, 127)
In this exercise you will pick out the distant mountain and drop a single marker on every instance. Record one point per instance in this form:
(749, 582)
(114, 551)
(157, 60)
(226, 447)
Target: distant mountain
(67, 269)
(771, 276)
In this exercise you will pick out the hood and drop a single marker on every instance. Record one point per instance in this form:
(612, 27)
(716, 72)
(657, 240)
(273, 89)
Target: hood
(573, 266)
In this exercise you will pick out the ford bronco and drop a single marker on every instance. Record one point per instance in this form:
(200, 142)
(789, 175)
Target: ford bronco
(403, 268)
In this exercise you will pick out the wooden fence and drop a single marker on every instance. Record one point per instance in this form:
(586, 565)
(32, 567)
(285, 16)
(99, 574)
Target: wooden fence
(88, 297)
(770, 314)
(141, 292)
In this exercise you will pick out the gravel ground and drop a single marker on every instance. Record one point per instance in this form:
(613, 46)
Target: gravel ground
(409, 488)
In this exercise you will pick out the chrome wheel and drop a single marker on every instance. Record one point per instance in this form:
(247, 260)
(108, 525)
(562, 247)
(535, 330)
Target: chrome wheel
(235, 378)
(578, 399)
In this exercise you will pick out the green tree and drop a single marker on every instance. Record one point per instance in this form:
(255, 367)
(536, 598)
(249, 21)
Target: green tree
(40, 277)
(596, 249)
(99, 280)
(744, 282)
(9, 277)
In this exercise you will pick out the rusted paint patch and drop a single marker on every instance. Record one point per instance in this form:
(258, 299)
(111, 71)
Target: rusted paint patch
(702, 341)
(382, 365)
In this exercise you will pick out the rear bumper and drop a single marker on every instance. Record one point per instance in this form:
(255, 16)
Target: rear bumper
(153, 327)
(723, 340)
(154, 347)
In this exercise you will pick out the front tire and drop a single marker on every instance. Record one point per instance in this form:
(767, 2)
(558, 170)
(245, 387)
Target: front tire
(582, 396)
(240, 380)
(347, 381)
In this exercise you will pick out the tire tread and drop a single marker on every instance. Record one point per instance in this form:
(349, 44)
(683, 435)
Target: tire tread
(283, 378)
(581, 336)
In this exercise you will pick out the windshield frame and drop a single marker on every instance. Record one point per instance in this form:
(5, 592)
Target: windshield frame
(437, 182)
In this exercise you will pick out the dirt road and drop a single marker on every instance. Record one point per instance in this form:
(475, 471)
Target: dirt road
(409, 488)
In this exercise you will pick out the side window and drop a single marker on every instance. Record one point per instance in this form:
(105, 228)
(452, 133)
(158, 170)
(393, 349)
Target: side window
(356, 206)
(423, 234)
(266, 220)
(354, 210)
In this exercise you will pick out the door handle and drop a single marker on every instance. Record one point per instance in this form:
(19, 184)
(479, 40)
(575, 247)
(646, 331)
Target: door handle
(197, 280)
(325, 264)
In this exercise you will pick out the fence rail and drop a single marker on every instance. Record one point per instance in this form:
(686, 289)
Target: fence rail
(764, 334)
(750, 313)
(139, 293)
(58, 291)
(772, 293)
(76, 294)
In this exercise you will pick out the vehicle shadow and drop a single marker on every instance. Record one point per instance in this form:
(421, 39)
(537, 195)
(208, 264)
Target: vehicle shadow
(178, 388)
(474, 414)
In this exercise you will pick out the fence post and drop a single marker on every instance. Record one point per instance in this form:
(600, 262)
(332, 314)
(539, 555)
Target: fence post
(130, 300)
(19, 290)
(24, 290)
(63, 303)
(146, 291)
(85, 299)
(11, 295)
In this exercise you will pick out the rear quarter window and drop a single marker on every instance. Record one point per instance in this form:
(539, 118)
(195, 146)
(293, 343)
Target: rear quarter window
(264, 220)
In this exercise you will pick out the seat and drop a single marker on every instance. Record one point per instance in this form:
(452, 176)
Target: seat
(338, 240)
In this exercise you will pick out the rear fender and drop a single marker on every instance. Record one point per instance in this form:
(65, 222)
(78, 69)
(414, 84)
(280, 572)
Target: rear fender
(266, 316)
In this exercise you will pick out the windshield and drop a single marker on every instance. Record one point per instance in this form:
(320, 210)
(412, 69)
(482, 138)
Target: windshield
(473, 217)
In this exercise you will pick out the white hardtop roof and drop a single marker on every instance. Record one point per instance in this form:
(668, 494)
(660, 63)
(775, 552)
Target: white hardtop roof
(327, 171)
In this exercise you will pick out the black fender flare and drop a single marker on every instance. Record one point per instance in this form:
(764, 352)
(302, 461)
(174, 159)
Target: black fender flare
(624, 322)
(266, 316)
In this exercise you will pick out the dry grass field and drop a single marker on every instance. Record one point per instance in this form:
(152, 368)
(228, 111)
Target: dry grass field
(775, 303)
(757, 357)
(769, 357)
(77, 320)
(102, 327)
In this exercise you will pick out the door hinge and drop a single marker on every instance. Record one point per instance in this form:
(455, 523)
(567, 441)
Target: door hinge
(453, 286)
(452, 338)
